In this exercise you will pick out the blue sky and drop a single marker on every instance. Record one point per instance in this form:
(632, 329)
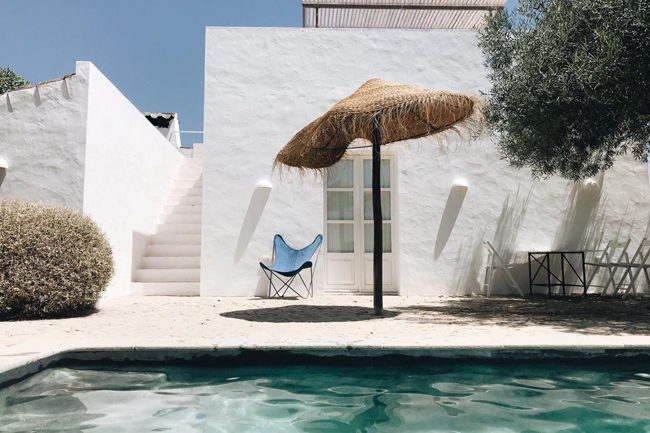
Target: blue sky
(152, 50)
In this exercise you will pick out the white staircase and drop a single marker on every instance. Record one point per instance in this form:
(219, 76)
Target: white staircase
(172, 263)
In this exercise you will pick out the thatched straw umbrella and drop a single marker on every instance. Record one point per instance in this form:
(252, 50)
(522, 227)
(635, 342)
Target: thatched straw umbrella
(381, 113)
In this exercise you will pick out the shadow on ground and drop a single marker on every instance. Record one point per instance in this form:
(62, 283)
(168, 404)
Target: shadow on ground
(70, 315)
(308, 314)
(592, 315)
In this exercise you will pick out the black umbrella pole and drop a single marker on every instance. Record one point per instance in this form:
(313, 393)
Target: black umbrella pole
(376, 214)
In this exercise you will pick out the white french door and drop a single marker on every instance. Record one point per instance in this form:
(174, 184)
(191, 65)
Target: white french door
(349, 224)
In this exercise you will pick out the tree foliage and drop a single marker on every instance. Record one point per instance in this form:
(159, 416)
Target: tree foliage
(570, 83)
(9, 80)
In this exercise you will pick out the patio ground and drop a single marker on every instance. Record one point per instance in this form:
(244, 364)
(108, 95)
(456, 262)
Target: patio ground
(432, 324)
(408, 321)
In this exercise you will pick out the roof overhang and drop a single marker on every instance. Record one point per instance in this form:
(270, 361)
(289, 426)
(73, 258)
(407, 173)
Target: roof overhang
(159, 120)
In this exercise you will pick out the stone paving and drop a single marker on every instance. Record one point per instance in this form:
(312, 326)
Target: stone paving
(136, 323)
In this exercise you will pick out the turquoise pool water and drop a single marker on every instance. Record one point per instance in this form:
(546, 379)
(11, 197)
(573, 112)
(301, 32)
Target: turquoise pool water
(415, 398)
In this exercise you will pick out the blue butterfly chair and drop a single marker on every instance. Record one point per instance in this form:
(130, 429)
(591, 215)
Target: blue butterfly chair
(289, 263)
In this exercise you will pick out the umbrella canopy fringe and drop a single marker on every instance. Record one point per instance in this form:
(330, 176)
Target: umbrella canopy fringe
(283, 170)
(406, 112)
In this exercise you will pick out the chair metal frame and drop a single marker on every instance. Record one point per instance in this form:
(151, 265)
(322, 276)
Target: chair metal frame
(553, 278)
(495, 263)
(642, 265)
(606, 261)
(287, 281)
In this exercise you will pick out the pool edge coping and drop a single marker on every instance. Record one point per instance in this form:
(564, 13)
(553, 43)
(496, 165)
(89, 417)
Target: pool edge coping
(16, 367)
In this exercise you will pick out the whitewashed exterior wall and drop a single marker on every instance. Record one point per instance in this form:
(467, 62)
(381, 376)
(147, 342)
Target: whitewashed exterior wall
(79, 142)
(130, 168)
(263, 85)
(174, 132)
(42, 137)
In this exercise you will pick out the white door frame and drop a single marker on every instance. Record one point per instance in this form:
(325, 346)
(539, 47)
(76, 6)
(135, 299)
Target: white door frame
(360, 256)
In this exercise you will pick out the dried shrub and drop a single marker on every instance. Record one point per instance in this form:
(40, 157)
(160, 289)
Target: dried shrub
(54, 261)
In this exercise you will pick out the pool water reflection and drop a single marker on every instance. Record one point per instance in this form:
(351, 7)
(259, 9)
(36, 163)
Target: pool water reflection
(416, 398)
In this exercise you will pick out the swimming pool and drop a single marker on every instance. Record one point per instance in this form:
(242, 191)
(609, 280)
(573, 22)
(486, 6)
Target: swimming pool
(425, 397)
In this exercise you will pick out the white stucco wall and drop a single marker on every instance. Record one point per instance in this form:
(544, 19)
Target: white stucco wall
(130, 168)
(42, 137)
(174, 132)
(263, 85)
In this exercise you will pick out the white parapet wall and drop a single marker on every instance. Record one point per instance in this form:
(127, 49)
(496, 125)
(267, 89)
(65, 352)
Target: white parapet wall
(79, 142)
(264, 85)
(42, 138)
(130, 168)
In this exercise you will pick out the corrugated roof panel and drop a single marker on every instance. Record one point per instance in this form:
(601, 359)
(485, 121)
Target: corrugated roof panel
(365, 17)
(414, 19)
(408, 2)
(430, 19)
(415, 14)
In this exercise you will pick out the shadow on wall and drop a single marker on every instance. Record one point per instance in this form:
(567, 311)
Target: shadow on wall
(646, 235)
(139, 249)
(468, 267)
(3, 174)
(644, 285)
(449, 216)
(263, 283)
(510, 222)
(583, 224)
(253, 215)
(582, 228)
(470, 276)
(511, 219)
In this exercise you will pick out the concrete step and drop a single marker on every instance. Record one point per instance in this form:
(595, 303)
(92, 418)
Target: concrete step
(191, 218)
(188, 175)
(182, 209)
(178, 229)
(195, 199)
(186, 192)
(167, 275)
(175, 239)
(192, 162)
(166, 289)
(191, 169)
(173, 251)
(171, 263)
(188, 183)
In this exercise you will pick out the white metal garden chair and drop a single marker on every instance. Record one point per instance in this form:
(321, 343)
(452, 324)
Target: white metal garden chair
(495, 263)
(639, 262)
(608, 260)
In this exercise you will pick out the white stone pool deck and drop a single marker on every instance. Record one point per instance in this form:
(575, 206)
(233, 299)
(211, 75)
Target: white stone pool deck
(330, 323)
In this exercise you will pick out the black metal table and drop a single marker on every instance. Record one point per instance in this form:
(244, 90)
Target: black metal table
(561, 281)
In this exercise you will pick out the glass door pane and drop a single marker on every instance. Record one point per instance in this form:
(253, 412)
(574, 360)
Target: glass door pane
(369, 238)
(385, 206)
(340, 205)
(340, 238)
(384, 173)
(341, 175)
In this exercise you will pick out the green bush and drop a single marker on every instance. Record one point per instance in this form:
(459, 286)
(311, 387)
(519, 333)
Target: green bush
(9, 80)
(54, 261)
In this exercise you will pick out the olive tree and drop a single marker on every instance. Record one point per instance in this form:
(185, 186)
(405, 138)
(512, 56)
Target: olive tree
(570, 84)
(9, 80)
